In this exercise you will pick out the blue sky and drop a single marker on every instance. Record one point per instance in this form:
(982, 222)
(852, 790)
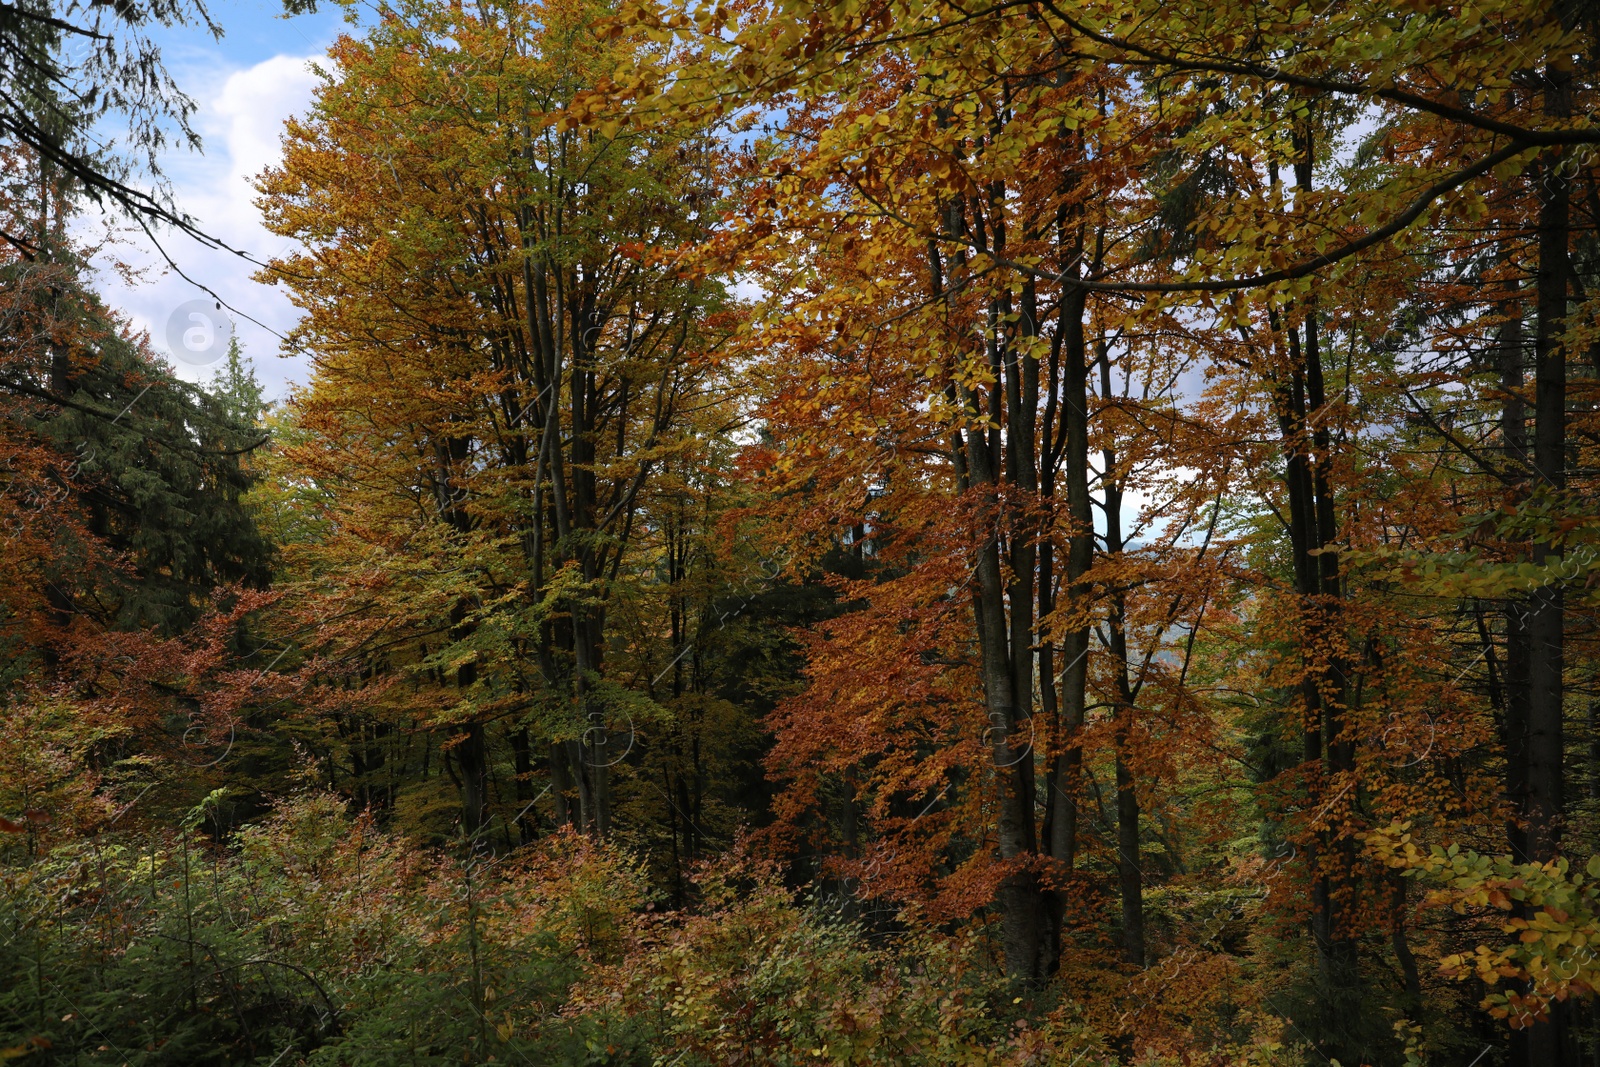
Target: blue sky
(255, 31)
(244, 86)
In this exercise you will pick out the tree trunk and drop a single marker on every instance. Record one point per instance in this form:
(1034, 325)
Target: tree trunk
(1548, 1042)
(1545, 631)
(1130, 867)
(1514, 687)
(1000, 463)
(522, 762)
(1080, 554)
(472, 755)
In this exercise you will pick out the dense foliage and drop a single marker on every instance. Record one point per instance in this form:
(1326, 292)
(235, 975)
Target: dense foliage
(911, 532)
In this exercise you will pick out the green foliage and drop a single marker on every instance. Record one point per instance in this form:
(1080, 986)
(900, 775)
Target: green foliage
(1551, 910)
(317, 938)
(160, 462)
(313, 939)
(820, 533)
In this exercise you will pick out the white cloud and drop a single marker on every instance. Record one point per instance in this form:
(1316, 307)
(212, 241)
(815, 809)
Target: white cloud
(240, 118)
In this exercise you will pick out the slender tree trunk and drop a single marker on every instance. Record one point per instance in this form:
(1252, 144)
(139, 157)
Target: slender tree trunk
(1513, 684)
(561, 786)
(1130, 866)
(522, 762)
(1023, 918)
(1071, 450)
(1074, 641)
(1402, 948)
(1548, 1042)
(1329, 755)
(993, 463)
(472, 750)
(1333, 676)
(1514, 713)
(1130, 874)
(1545, 631)
(472, 755)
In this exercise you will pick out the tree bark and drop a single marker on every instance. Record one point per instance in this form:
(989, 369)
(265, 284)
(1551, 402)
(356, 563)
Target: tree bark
(1548, 1042)
(1130, 867)
(1074, 641)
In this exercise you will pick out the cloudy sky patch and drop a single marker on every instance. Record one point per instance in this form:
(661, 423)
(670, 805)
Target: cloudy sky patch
(245, 86)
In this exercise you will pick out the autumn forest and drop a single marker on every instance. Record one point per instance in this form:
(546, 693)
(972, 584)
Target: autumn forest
(1017, 532)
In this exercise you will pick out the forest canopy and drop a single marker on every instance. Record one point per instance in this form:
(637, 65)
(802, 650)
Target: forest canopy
(1036, 532)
